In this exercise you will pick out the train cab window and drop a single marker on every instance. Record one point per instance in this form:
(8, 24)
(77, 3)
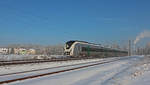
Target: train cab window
(69, 44)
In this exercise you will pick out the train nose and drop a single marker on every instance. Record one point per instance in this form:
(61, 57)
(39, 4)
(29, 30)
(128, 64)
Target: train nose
(67, 53)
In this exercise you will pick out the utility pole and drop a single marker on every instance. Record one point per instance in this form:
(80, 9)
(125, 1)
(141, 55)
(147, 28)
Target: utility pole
(129, 48)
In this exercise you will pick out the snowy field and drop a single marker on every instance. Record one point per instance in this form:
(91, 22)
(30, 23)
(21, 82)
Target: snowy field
(134, 70)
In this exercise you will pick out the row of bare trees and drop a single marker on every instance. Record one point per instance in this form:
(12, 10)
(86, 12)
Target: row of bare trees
(59, 48)
(41, 49)
(143, 50)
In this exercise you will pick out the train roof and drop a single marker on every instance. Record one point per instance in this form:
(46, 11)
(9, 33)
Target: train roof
(82, 42)
(77, 41)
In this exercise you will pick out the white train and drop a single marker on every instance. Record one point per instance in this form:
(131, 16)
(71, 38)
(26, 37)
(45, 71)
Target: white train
(85, 49)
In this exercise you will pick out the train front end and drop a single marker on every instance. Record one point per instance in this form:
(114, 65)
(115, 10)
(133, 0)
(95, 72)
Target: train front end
(68, 48)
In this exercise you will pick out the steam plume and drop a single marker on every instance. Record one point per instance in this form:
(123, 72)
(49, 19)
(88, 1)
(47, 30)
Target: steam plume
(142, 35)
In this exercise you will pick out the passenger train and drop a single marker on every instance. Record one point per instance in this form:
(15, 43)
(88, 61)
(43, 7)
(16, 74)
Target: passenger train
(76, 48)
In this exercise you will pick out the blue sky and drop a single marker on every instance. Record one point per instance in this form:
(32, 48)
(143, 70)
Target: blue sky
(56, 21)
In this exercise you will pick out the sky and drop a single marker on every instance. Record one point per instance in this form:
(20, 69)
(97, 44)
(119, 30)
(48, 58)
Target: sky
(57, 21)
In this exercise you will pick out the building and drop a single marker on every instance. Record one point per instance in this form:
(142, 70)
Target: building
(23, 51)
(20, 51)
(4, 50)
(32, 51)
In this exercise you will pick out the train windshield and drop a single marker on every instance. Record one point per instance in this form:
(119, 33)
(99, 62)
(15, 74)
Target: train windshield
(69, 44)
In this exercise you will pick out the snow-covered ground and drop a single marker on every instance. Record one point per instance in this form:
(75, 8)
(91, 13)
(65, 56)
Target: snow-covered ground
(134, 70)
(35, 66)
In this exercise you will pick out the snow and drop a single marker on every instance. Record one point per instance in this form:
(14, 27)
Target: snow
(141, 73)
(50, 69)
(143, 80)
(133, 74)
(131, 70)
(28, 67)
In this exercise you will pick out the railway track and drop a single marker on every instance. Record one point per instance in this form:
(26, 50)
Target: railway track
(46, 68)
(54, 72)
(15, 62)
